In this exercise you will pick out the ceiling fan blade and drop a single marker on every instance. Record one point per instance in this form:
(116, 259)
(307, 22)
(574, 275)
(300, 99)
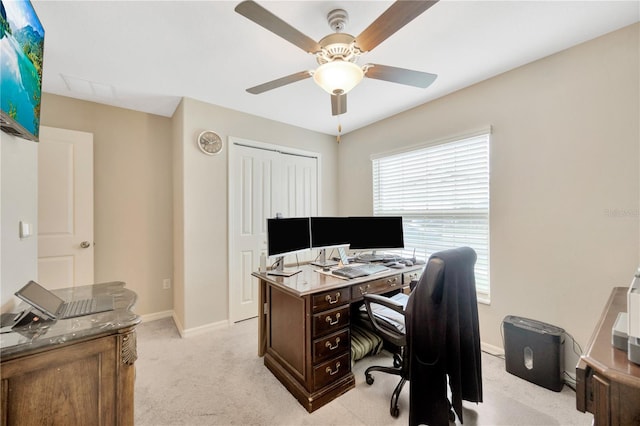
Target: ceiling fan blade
(395, 17)
(261, 16)
(338, 104)
(400, 75)
(283, 81)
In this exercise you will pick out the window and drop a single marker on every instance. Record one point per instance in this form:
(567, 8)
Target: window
(442, 193)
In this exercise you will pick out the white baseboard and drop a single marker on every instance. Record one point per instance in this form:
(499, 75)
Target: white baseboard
(196, 331)
(156, 316)
(493, 350)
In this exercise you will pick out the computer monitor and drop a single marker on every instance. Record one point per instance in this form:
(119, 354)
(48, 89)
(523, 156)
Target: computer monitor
(287, 236)
(375, 233)
(326, 233)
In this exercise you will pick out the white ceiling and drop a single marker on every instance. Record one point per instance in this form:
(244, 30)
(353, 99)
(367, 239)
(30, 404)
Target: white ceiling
(147, 55)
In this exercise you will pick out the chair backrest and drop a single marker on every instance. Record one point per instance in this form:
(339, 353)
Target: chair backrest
(432, 277)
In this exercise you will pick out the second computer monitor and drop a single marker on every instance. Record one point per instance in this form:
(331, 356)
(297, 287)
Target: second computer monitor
(329, 232)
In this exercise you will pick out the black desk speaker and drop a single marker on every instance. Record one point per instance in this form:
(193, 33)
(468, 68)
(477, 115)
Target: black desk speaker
(533, 351)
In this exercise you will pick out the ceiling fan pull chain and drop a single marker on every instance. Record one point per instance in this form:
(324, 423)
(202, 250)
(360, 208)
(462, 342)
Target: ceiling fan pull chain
(339, 130)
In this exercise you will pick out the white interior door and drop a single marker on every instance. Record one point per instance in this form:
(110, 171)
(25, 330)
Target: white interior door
(65, 208)
(262, 182)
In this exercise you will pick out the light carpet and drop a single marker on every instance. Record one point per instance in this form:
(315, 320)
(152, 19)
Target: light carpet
(217, 378)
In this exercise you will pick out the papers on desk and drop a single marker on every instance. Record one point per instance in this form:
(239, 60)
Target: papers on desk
(320, 271)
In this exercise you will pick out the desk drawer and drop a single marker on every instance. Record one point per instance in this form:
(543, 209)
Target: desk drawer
(330, 299)
(407, 277)
(378, 286)
(330, 321)
(331, 345)
(331, 370)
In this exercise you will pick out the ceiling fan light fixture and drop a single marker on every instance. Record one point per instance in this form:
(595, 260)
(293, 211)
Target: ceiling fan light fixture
(338, 77)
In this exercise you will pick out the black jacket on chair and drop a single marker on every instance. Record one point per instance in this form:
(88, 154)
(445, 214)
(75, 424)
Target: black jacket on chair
(443, 338)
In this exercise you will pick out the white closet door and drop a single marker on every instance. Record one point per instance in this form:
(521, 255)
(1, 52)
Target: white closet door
(299, 186)
(262, 182)
(298, 196)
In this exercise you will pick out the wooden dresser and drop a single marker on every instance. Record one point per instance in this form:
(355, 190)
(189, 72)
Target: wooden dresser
(607, 383)
(304, 328)
(78, 371)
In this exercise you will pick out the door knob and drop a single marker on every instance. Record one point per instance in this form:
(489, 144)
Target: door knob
(85, 244)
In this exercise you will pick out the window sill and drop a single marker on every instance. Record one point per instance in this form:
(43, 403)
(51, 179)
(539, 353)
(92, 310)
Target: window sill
(484, 299)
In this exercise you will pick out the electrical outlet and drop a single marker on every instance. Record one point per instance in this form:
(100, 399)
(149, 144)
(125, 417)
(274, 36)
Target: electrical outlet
(166, 283)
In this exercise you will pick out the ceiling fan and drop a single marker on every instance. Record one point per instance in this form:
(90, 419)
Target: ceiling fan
(337, 53)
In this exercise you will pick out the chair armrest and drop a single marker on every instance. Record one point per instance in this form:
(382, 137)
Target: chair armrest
(395, 336)
(384, 301)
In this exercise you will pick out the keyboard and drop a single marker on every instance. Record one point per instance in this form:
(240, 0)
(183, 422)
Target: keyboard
(359, 271)
(372, 268)
(365, 257)
(78, 308)
(94, 305)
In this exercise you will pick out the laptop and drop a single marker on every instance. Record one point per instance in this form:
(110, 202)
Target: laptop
(56, 308)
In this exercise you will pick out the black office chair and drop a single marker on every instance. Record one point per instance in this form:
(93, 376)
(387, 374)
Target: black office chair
(443, 340)
(385, 315)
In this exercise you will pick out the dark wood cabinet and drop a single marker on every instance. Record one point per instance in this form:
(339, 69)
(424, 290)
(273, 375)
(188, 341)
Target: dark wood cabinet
(78, 371)
(607, 383)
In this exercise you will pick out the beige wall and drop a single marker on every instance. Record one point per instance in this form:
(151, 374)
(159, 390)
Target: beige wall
(18, 202)
(201, 197)
(132, 194)
(564, 178)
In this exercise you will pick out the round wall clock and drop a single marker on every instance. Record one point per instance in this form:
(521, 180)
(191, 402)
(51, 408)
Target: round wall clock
(209, 142)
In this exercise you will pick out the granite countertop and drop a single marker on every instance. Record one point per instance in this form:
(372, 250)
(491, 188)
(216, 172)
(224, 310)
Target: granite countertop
(39, 336)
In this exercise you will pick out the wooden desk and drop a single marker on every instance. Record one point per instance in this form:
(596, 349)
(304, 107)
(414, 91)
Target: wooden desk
(73, 371)
(607, 383)
(304, 328)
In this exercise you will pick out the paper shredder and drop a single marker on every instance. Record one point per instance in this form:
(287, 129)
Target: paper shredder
(533, 350)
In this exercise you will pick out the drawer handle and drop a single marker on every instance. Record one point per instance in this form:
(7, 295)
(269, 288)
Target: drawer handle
(392, 282)
(328, 298)
(328, 319)
(364, 289)
(328, 344)
(331, 373)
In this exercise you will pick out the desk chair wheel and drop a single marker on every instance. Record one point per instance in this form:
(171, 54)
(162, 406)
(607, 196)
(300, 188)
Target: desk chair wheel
(395, 412)
(397, 360)
(393, 408)
(369, 378)
(452, 414)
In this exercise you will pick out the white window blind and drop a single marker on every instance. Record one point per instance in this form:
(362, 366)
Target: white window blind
(442, 193)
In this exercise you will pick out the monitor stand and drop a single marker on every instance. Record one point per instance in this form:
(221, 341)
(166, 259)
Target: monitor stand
(373, 257)
(280, 271)
(323, 262)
